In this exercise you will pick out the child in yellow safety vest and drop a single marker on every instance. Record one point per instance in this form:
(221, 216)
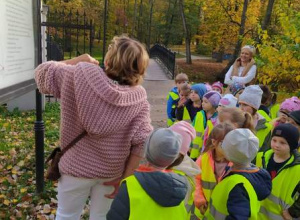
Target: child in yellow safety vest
(213, 165)
(249, 101)
(287, 106)
(181, 111)
(152, 192)
(206, 117)
(283, 164)
(227, 101)
(193, 104)
(238, 194)
(173, 97)
(184, 165)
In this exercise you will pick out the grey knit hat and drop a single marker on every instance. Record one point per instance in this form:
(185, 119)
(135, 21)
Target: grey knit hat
(162, 147)
(251, 96)
(240, 146)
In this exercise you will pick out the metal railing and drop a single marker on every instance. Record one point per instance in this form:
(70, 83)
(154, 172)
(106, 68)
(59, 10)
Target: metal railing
(166, 56)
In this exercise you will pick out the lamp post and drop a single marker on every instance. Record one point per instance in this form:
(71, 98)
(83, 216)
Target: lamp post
(39, 123)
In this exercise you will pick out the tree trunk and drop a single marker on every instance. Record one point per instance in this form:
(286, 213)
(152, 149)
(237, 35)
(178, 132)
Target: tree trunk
(169, 24)
(150, 24)
(187, 35)
(238, 45)
(134, 19)
(268, 15)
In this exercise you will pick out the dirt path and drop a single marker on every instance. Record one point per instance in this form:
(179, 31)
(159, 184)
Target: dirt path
(157, 86)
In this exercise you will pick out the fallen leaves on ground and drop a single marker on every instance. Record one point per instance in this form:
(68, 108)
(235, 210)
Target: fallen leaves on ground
(18, 198)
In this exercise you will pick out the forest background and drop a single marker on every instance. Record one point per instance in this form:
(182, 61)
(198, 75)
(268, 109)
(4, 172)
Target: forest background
(221, 26)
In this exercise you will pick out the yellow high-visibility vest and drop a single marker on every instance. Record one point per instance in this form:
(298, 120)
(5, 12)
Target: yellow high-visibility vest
(174, 96)
(263, 133)
(274, 111)
(217, 208)
(265, 115)
(142, 206)
(200, 125)
(283, 186)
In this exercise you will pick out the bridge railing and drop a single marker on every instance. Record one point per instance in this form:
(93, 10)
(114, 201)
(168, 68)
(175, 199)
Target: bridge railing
(166, 56)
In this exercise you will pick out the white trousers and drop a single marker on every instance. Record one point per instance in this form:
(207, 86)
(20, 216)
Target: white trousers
(73, 193)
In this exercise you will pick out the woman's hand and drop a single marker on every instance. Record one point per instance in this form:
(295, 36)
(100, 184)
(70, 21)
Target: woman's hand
(116, 184)
(203, 208)
(82, 58)
(286, 215)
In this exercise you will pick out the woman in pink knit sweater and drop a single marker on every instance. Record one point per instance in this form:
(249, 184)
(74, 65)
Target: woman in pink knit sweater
(112, 107)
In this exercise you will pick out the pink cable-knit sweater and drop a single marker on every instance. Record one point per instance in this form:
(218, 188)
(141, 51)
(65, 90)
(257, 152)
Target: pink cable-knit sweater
(116, 117)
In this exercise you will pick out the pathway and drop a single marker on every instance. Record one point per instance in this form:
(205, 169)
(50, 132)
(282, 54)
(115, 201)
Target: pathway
(157, 85)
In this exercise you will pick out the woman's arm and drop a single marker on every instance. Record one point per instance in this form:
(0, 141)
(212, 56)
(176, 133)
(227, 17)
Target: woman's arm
(246, 79)
(227, 79)
(49, 76)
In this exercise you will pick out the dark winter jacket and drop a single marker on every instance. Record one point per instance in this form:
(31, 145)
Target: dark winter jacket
(166, 189)
(190, 108)
(238, 204)
(170, 103)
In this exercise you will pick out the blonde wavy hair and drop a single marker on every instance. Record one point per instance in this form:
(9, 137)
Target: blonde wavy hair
(126, 61)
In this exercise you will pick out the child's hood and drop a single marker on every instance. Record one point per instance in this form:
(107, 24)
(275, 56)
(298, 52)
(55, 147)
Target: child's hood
(103, 106)
(167, 189)
(260, 180)
(188, 166)
(175, 90)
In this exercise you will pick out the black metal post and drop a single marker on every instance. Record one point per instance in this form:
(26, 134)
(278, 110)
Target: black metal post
(39, 124)
(84, 23)
(104, 31)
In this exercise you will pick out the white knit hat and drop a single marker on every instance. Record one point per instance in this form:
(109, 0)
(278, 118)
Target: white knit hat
(162, 147)
(251, 96)
(228, 101)
(240, 146)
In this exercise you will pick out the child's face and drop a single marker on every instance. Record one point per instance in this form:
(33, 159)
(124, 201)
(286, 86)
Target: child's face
(206, 105)
(282, 116)
(219, 109)
(217, 89)
(184, 93)
(246, 108)
(292, 121)
(194, 96)
(280, 146)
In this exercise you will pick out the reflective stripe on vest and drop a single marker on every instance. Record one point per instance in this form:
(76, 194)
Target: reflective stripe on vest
(186, 115)
(274, 111)
(283, 186)
(208, 179)
(218, 204)
(262, 133)
(200, 125)
(190, 202)
(265, 115)
(142, 206)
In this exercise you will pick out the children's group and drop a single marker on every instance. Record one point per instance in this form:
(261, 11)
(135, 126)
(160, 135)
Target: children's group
(246, 147)
(228, 153)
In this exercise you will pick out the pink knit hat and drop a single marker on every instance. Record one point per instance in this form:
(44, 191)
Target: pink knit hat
(208, 87)
(187, 132)
(290, 105)
(217, 85)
